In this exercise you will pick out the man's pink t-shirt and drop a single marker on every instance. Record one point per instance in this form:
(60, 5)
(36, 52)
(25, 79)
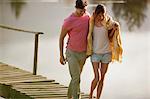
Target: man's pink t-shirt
(77, 30)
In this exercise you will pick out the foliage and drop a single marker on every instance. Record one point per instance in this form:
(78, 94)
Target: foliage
(132, 11)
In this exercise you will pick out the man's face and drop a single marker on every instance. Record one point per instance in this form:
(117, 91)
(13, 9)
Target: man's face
(80, 12)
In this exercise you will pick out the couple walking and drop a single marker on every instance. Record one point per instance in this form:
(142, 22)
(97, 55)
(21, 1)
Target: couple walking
(97, 36)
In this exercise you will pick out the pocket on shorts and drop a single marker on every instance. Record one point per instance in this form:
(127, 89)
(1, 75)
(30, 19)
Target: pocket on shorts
(107, 58)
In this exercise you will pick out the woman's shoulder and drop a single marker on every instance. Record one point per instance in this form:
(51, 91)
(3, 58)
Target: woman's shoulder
(109, 20)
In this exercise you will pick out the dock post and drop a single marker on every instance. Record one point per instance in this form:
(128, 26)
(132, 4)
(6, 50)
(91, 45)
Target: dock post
(35, 54)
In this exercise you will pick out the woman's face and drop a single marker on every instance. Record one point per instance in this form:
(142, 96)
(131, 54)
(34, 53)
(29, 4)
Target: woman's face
(100, 17)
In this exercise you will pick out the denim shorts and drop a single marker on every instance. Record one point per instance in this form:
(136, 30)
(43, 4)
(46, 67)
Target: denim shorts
(103, 58)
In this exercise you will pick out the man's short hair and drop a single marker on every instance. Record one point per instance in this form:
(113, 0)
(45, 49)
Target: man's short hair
(80, 4)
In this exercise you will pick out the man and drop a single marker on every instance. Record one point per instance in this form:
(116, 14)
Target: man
(76, 26)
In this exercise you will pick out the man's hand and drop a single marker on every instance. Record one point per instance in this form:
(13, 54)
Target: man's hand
(62, 60)
(61, 45)
(116, 25)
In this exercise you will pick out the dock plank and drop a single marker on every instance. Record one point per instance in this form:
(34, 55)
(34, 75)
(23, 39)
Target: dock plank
(16, 83)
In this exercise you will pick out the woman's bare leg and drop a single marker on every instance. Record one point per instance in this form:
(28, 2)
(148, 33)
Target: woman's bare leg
(96, 77)
(103, 70)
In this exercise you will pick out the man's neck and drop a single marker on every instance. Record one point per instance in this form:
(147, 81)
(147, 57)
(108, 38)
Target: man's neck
(76, 14)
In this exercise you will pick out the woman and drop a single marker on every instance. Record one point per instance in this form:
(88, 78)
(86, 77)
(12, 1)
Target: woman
(104, 46)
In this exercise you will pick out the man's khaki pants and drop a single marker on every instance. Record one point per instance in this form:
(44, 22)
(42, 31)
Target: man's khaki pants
(76, 61)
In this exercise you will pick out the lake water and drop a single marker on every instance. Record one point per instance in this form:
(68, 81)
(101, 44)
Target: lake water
(128, 80)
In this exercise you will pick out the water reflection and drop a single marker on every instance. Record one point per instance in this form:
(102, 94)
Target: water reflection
(68, 2)
(131, 11)
(16, 6)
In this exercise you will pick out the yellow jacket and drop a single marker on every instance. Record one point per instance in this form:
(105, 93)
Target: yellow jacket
(115, 42)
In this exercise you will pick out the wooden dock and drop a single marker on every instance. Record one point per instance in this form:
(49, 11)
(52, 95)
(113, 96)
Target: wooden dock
(20, 84)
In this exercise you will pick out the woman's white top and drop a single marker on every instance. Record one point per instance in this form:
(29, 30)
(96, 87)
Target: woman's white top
(101, 43)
